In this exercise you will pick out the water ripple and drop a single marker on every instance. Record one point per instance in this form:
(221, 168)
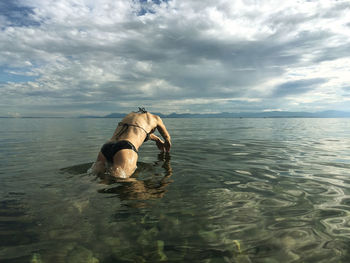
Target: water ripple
(241, 190)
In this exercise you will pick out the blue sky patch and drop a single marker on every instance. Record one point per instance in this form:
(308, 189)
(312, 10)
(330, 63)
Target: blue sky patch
(17, 15)
(7, 76)
(146, 6)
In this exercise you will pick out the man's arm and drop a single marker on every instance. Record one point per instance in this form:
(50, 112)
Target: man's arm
(164, 132)
(159, 141)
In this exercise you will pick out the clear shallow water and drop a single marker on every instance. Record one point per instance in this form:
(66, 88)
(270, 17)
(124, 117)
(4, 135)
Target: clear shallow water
(232, 190)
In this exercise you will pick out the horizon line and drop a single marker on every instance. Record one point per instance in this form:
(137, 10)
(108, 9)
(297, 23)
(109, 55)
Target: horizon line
(261, 114)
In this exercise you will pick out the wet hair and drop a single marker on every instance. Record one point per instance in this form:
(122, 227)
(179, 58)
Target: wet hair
(141, 110)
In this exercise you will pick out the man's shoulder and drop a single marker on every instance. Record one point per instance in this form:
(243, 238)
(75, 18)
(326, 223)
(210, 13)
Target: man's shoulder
(154, 116)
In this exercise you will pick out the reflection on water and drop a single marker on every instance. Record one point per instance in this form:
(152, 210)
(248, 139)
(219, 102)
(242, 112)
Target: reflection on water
(146, 183)
(234, 190)
(134, 188)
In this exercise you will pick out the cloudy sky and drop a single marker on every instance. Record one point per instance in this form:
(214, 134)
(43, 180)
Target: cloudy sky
(78, 57)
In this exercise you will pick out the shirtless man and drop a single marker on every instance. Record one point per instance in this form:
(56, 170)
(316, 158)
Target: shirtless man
(121, 151)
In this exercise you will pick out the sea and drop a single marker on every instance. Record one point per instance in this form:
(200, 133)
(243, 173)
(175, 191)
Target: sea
(264, 190)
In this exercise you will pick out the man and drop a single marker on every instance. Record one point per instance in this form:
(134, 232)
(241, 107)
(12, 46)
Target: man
(121, 151)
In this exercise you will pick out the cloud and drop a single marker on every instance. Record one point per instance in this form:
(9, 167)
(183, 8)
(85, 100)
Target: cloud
(297, 87)
(172, 55)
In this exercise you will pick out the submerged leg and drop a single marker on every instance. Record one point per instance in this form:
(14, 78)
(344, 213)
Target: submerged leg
(99, 166)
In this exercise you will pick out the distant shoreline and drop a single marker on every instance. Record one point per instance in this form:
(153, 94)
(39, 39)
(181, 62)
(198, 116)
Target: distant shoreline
(269, 114)
(251, 115)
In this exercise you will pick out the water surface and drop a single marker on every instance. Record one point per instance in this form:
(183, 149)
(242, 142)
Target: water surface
(231, 190)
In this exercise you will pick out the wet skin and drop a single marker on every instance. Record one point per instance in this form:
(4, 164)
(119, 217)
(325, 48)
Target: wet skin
(125, 160)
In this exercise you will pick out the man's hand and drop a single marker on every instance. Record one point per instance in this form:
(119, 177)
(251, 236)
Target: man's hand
(167, 146)
(160, 145)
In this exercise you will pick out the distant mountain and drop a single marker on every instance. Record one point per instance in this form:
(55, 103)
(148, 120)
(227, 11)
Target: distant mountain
(268, 114)
(115, 115)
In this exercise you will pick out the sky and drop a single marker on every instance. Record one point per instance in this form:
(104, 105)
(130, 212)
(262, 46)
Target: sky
(87, 57)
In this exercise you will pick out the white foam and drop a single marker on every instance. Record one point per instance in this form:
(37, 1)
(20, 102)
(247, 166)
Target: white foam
(119, 172)
(243, 172)
(238, 145)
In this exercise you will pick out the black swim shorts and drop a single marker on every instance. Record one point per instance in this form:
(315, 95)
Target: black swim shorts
(109, 149)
